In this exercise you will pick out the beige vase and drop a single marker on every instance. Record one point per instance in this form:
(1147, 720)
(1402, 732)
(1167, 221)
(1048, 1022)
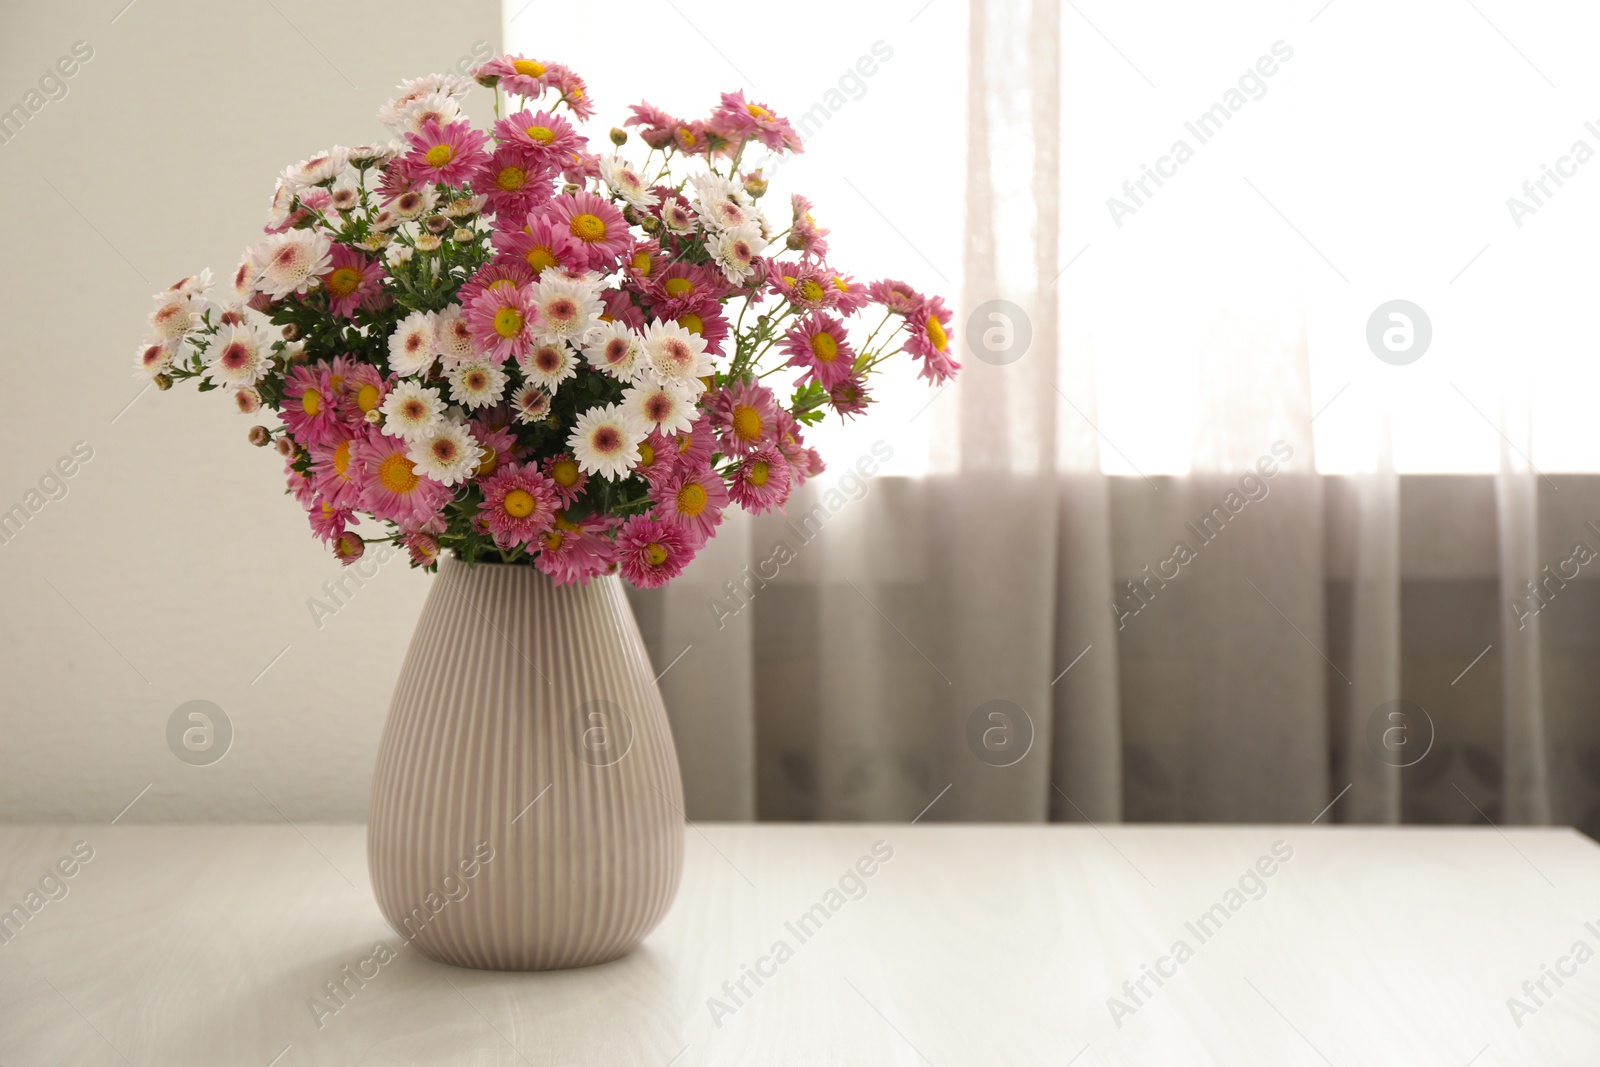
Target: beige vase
(527, 809)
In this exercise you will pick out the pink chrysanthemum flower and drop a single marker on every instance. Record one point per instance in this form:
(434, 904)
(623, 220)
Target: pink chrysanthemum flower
(805, 236)
(696, 446)
(518, 504)
(574, 92)
(572, 552)
(818, 343)
(362, 389)
(447, 155)
(657, 457)
(541, 244)
(499, 272)
(501, 319)
(744, 416)
(691, 138)
(498, 443)
(333, 475)
(894, 296)
(683, 287)
(547, 139)
(351, 280)
(737, 120)
(328, 521)
(310, 406)
(655, 125)
(423, 549)
(803, 284)
(849, 397)
(651, 552)
(618, 306)
(761, 482)
(514, 181)
(929, 340)
(642, 260)
(594, 223)
(568, 477)
(517, 75)
(693, 498)
(391, 488)
(705, 320)
(852, 294)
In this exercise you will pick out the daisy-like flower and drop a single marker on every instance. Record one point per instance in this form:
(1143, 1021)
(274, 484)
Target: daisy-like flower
(803, 284)
(549, 364)
(572, 552)
(413, 203)
(439, 108)
(328, 522)
(288, 262)
(604, 441)
(412, 410)
(817, 343)
(624, 181)
(345, 193)
(394, 112)
(720, 203)
(849, 398)
(175, 315)
(499, 271)
(706, 321)
(619, 307)
(676, 355)
(735, 251)
(310, 407)
(476, 383)
(351, 279)
(852, 295)
(518, 504)
(422, 548)
(243, 282)
(760, 482)
(320, 168)
(614, 349)
(195, 286)
(541, 244)
(447, 453)
(894, 296)
(362, 392)
(513, 181)
(569, 479)
(247, 400)
(692, 498)
(676, 213)
(412, 345)
(651, 552)
(665, 407)
(239, 355)
(515, 74)
(594, 223)
(502, 320)
(332, 474)
(444, 155)
(567, 308)
(698, 444)
(154, 357)
(452, 336)
(737, 120)
(574, 93)
(498, 443)
(805, 236)
(683, 287)
(531, 404)
(745, 417)
(279, 208)
(657, 460)
(547, 139)
(929, 340)
(655, 125)
(391, 488)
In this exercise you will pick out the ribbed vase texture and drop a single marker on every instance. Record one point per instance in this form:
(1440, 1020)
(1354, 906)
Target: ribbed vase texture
(527, 809)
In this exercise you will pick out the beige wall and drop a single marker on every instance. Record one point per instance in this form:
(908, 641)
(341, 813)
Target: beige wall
(173, 569)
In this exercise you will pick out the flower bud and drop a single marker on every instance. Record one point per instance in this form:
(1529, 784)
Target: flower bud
(794, 242)
(649, 224)
(348, 548)
(438, 223)
(163, 382)
(260, 436)
(291, 332)
(285, 447)
(248, 399)
(464, 236)
(755, 185)
(569, 188)
(619, 136)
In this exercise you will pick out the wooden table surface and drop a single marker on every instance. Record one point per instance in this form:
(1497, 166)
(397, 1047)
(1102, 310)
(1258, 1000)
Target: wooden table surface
(1016, 945)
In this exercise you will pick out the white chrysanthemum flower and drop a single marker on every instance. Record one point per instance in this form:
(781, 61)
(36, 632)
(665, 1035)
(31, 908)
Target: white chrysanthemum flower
(195, 286)
(452, 339)
(154, 357)
(568, 307)
(175, 315)
(412, 347)
(415, 203)
(548, 365)
(665, 406)
(239, 355)
(447, 453)
(530, 403)
(282, 202)
(735, 251)
(615, 349)
(372, 153)
(604, 441)
(441, 108)
(676, 217)
(322, 167)
(290, 261)
(411, 410)
(345, 192)
(392, 113)
(398, 255)
(626, 182)
(476, 383)
(676, 355)
(720, 203)
(464, 207)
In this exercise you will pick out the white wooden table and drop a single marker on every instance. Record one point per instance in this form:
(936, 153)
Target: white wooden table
(205, 945)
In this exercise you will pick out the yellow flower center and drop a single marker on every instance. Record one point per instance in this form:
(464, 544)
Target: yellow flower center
(647, 455)
(439, 155)
(510, 179)
(341, 459)
(367, 398)
(641, 263)
(936, 333)
(519, 503)
(655, 553)
(539, 257)
(678, 286)
(565, 473)
(542, 134)
(840, 284)
(344, 281)
(824, 347)
(508, 322)
(758, 473)
(552, 540)
(691, 499)
(692, 322)
(487, 465)
(684, 441)
(528, 68)
(564, 523)
(757, 111)
(311, 402)
(396, 474)
(746, 423)
(810, 290)
(587, 227)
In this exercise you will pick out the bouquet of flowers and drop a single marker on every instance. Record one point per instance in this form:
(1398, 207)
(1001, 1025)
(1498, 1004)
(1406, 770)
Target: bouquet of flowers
(513, 347)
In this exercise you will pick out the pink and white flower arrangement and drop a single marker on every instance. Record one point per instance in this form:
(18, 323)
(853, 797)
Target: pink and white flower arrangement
(513, 347)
